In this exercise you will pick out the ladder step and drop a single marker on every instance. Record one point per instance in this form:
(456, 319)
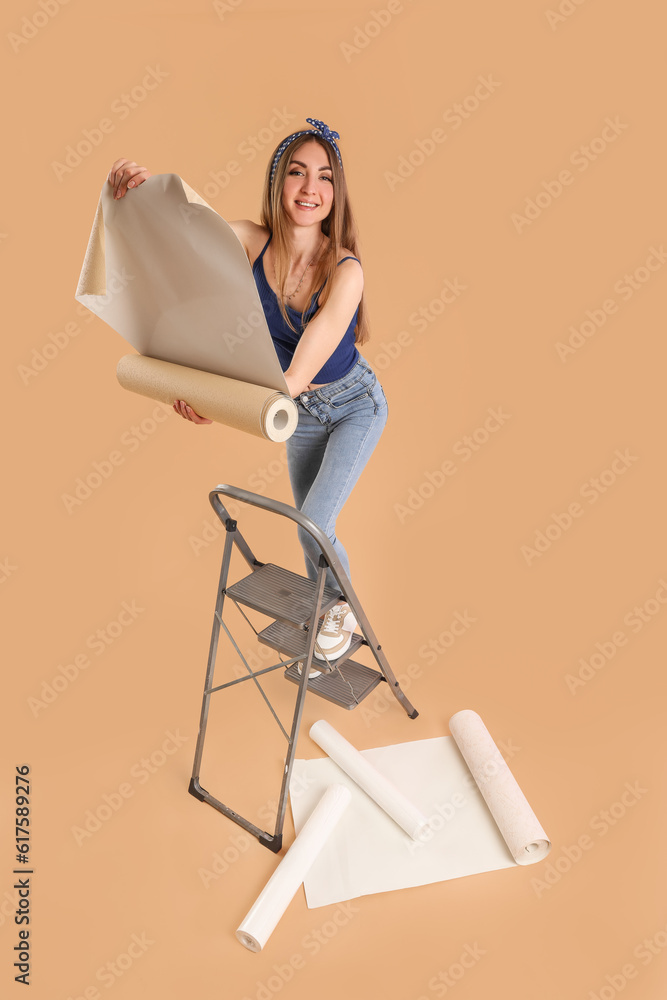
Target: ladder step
(281, 594)
(335, 688)
(293, 642)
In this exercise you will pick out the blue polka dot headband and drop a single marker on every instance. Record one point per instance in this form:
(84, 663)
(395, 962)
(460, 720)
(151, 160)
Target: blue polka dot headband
(320, 129)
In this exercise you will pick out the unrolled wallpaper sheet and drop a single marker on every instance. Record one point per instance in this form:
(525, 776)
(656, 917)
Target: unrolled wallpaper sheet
(164, 270)
(480, 819)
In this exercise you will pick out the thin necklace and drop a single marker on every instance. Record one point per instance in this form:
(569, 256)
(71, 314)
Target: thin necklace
(304, 273)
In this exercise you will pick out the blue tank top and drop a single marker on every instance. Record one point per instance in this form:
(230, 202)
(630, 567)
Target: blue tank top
(285, 340)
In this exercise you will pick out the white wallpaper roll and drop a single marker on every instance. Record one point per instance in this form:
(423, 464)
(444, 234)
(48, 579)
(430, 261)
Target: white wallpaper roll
(261, 920)
(509, 807)
(379, 788)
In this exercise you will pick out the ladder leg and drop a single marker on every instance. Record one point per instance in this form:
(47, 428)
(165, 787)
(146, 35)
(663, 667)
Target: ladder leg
(396, 688)
(378, 653)
(195, 787)
(300, 698)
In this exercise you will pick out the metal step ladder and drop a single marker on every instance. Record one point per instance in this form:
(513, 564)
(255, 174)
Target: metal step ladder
(295, 603)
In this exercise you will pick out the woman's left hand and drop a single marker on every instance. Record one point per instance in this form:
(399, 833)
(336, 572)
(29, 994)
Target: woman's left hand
(183, 410)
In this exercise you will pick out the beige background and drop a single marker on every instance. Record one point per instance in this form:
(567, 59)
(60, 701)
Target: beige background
(564, 928)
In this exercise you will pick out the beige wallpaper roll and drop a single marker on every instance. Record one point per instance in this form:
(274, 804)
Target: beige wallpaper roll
(508, 805)
(252, 408)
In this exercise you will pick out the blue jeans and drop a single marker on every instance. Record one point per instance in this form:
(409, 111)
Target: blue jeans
(339, 426)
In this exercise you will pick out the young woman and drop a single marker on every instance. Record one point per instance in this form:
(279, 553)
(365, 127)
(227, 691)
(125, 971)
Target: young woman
(310, 281)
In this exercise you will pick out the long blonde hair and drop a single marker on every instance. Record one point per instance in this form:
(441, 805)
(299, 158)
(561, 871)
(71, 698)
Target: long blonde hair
(339, 226)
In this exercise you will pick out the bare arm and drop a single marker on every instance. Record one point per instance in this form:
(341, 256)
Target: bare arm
(325, 331)
(250, 235)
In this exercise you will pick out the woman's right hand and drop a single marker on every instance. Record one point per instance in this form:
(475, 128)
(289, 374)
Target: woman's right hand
(183, 410)
(126, 173)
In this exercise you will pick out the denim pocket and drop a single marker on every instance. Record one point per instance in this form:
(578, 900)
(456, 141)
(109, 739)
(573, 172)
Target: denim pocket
(350, 395)
(376, 393)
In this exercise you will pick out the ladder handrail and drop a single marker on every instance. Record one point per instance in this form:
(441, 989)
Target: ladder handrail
(278, 507)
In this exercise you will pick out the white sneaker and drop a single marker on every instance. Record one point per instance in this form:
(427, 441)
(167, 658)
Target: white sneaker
(311, 673)
(335, 636)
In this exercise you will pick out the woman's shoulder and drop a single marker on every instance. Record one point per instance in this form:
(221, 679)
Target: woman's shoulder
(349, 277)
(251, 235)
(347, 253)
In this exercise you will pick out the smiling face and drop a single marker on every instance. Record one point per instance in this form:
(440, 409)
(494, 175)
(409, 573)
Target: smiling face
(308, 189)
